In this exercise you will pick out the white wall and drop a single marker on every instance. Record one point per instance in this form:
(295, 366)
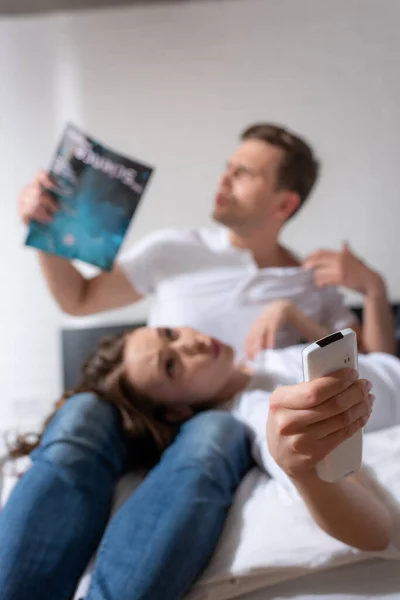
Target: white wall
(173, 85)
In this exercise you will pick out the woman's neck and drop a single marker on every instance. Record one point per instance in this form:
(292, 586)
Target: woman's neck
(239, 380)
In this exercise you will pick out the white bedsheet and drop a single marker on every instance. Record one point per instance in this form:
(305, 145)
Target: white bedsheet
(269, 537)
(367, 580)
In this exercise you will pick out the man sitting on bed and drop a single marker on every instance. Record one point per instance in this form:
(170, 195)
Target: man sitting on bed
(220, 281)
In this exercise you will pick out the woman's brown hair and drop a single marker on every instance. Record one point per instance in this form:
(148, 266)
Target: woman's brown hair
(144, 426)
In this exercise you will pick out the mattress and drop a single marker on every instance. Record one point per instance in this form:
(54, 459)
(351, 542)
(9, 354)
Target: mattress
(370, 580)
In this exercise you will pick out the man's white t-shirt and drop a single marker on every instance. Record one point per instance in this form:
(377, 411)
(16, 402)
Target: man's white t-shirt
(198, 279)
(274, 368)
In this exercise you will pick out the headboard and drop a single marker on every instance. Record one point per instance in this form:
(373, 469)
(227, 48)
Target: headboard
(78, 343)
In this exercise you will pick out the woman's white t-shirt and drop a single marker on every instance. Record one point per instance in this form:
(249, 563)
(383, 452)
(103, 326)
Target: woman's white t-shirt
(274, 368)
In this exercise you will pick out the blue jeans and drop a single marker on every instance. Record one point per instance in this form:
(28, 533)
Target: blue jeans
(158, 541)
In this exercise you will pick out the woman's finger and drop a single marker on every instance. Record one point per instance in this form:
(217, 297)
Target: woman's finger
(257, 343)
(323, 429)
(333, 440)
(270, 336)
(262, 340)
(251, 345)
(312, 393)
(248, 352)
(332, 407)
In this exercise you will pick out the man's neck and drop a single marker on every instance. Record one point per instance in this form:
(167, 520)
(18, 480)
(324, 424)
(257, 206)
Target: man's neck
(265, 248)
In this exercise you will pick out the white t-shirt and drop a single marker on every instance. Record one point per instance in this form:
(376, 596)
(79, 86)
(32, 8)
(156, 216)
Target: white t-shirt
(200, 280)
(274, 368)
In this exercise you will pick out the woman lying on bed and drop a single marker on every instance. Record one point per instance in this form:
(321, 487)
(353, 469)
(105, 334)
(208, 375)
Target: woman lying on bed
(159, 378)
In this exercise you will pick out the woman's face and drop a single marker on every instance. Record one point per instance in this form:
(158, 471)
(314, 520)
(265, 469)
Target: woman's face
(178, 366)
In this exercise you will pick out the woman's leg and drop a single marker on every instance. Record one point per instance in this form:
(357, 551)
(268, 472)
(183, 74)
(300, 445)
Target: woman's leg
(56, 515)
(163, 536)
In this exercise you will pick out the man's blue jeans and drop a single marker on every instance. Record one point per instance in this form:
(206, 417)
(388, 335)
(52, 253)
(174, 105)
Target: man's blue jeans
(158, 541)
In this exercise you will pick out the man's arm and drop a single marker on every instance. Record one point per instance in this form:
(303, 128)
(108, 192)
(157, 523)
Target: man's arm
(344, 268)
(75, 294)
(79, 296)
(378, 330)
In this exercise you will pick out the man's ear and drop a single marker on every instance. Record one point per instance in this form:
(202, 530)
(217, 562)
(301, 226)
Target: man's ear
(178, 413)
(288, 204)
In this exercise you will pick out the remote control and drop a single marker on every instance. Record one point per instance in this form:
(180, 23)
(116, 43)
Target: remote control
(329, 354)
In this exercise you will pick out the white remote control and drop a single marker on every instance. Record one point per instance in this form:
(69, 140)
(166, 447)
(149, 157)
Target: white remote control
(329, 354)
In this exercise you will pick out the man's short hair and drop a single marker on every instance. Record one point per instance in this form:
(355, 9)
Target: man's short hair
(299, 169)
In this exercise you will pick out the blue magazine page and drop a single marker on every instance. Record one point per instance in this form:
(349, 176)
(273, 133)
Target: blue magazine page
(98, 192)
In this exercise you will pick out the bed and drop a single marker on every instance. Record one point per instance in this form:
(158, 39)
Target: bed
(77, 343)
(255, 567)
(370, 578)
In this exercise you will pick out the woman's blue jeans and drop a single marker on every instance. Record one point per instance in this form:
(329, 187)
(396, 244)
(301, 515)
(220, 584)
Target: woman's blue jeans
(158, 541)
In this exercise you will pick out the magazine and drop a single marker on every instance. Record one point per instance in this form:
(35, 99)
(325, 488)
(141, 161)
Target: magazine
(97, 191)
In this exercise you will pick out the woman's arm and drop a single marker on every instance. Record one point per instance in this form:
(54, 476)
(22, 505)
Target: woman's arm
(308, 327)
(305, 423)
(276, 315)
(348, 511)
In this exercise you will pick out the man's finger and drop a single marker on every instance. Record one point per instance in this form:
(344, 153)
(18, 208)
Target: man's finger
(42, 216)
(48, 203)
(43, 179)
(346, 247)
(319, 258)
(324, 263)
(325, 276)
(319, 253)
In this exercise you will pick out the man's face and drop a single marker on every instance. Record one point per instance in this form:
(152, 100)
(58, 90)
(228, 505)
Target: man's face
(248, 193)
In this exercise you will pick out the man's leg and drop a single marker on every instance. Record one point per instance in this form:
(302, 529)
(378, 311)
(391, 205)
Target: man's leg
(56, 515)
(163, 536)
